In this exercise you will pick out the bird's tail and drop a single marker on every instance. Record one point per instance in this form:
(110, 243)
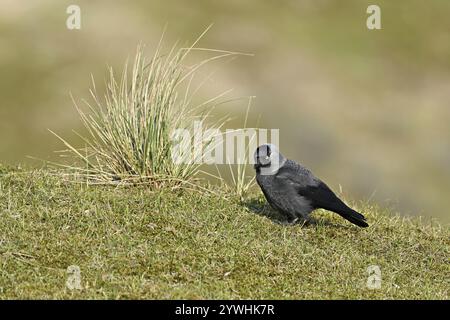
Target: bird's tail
(354, 217)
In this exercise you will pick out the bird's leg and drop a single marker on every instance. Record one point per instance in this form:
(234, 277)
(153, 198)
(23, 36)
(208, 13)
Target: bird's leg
(284, 222)
(304, 221)
(293, 221)
(288, 222)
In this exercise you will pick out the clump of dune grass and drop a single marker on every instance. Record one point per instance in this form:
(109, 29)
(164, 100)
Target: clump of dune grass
(129, 130)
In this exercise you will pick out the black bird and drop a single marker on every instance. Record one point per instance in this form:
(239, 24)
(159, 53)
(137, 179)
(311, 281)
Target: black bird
(294, 191)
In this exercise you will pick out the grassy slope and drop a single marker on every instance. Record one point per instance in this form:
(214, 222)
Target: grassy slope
(134, 243)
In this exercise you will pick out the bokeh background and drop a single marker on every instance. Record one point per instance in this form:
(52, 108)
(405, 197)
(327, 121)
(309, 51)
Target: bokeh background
(367, 110)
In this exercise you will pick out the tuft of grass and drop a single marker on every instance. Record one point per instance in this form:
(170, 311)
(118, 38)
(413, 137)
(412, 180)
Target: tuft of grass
(130, 131)
(138, 243)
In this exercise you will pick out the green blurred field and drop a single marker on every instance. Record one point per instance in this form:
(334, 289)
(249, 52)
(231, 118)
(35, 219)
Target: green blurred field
(365, 110)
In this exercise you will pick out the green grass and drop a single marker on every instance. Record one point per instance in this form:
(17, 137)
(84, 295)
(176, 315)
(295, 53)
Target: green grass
(132, 242)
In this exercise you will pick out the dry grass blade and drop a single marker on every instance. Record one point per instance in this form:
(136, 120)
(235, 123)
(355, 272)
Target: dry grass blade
(241, 182)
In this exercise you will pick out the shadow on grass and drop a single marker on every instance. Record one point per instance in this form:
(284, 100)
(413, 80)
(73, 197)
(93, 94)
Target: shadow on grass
(263, 209)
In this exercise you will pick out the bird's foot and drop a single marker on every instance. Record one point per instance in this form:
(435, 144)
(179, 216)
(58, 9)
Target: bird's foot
(299, 221)
(288, 222)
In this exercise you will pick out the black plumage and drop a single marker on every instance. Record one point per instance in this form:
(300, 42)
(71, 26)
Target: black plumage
(294, 191)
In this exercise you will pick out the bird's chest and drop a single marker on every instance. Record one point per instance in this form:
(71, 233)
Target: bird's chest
(282, 196)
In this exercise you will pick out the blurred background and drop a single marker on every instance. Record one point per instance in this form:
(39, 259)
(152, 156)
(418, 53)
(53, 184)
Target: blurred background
(368, 110)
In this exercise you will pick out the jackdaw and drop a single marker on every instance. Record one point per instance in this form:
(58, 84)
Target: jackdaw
(294, 191)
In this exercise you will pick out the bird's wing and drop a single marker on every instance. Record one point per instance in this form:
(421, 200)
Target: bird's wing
(320, 195)
(310, 187)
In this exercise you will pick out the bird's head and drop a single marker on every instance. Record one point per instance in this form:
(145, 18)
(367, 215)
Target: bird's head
(268, 159)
